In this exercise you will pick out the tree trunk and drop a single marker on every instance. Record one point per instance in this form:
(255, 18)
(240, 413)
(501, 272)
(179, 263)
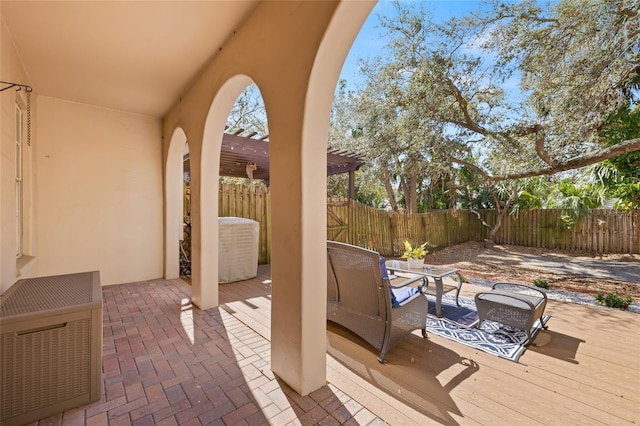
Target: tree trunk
(390, 193)
(409, 186)
(502, 210)
(413, 192)
(498, 224)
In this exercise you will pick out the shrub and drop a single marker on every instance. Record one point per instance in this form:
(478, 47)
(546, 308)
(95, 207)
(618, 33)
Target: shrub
(612, 300)
(539, 282)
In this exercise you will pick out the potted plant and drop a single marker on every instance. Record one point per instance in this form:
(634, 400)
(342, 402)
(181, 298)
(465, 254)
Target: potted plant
(415, 255)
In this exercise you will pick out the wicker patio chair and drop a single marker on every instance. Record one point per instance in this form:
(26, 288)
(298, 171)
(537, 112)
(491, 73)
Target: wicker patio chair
(359, 298)
(502, 304)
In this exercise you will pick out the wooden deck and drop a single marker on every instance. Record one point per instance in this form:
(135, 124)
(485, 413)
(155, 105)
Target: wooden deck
(584, 370)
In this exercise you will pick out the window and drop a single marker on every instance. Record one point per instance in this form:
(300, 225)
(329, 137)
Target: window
(19, 183)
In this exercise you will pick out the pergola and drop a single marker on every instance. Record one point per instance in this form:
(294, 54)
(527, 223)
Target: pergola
(247, 155)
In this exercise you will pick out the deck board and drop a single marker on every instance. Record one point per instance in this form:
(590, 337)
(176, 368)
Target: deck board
(585, 370)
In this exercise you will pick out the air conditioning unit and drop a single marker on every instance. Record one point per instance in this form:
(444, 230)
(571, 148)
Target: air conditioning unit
(51, 346)
(237, 249)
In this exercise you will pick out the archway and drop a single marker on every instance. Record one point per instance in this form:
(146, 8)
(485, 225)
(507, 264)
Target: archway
(296, 67)
(298, 323)
(173, 220)
(204, 213)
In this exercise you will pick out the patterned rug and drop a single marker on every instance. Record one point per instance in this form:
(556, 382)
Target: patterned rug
(457, 324)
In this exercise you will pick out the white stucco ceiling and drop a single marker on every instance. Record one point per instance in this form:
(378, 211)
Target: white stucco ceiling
(135, 56)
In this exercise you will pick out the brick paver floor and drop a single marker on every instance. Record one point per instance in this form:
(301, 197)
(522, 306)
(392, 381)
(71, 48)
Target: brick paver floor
(166, 362)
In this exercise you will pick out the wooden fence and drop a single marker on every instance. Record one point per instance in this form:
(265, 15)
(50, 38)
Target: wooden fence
(249, 202)
(385, 232)
(602, 231)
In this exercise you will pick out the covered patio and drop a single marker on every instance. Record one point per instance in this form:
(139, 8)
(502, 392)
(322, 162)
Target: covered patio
(166, 362)
(114, 90)
(96, 185)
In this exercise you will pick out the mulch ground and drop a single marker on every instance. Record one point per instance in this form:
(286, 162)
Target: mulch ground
(506, 263)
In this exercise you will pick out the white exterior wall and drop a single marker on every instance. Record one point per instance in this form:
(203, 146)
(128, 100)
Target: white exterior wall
(99, 180)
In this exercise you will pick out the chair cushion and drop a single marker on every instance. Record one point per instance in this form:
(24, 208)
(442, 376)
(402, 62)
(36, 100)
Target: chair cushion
(401, 294)
(398, 295)
(517, 300)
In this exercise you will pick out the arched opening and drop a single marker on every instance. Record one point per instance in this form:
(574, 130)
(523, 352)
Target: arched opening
(299, 103)
(299, 167)
(173, 207)
(185, 243)
(204, 213)
(244, 156)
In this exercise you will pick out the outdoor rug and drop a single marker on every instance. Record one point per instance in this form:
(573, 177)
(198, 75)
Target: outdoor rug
(457, 324)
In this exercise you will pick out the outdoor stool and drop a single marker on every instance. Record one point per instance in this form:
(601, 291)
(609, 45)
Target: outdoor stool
(507, 307)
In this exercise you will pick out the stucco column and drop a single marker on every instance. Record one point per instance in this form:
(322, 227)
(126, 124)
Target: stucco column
(204, 226)
(298, 259)
(298, 123)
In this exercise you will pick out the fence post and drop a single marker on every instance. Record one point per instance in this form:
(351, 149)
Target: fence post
(392, 234)
(635, 222)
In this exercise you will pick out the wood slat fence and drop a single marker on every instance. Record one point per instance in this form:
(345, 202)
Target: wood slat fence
(385, 232)
(249, 202)
(602, 231)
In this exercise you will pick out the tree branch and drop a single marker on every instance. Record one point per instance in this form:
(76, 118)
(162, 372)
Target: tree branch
(541, 150)
(480, 219)
(625, 147)
(469, 123)
(631, 145)
(478, 170)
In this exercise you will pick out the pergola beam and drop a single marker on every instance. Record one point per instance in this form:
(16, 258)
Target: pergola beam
(239, 150)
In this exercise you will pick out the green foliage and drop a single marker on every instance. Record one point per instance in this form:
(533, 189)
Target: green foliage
(373, 196)
(612, 300)
(541, 283)
(574, 82)
(439, 120)
(337, 186)
(368, 189)
(575, 198)
(240, 181)
(418, 252)
(621, 175)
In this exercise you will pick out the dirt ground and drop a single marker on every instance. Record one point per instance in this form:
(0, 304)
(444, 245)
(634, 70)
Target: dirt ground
(579, 272)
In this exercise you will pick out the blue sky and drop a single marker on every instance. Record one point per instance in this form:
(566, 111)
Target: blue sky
(371, 43)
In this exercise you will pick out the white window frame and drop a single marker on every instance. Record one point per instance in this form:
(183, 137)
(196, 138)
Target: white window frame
(19, 183)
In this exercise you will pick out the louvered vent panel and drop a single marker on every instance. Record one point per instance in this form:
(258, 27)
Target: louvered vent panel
(237, 249)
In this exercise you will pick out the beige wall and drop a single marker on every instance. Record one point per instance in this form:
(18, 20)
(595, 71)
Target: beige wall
(11, 69)
(92, 183)
(99, 181)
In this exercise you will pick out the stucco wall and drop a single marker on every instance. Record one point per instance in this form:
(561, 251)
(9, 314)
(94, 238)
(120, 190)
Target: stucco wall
(11, 69)
(92, 182)
(99, 184)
